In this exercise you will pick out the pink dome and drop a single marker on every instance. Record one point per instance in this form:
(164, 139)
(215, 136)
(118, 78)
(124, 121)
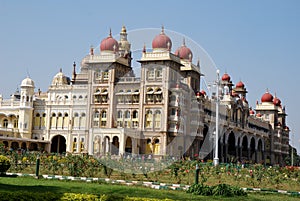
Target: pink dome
(184, 52)
(226, 77)
(258, 115)
(276, 101)
(162, 41)
(267, 97)
(251, 112)
(109, 44)
(240, 84)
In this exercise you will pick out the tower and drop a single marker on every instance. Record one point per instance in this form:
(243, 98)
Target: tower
(26, 107)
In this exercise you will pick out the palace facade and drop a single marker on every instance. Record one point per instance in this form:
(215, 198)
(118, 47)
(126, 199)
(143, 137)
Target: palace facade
(105, 109)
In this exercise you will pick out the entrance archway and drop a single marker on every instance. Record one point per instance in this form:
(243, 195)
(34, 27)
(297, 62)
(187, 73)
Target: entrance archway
(244, 154)
(156, 147)
(115, 147)
(252, 150)
(128, 145)
(23, 146)
(231, 147)
(15, 145)
(58, 144)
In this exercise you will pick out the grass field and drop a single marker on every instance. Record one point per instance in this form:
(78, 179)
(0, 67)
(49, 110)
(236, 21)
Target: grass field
(30, 184)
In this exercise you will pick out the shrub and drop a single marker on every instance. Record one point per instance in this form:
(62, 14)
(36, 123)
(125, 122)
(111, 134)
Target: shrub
(218, 190)
(4, 164)
(4, 160)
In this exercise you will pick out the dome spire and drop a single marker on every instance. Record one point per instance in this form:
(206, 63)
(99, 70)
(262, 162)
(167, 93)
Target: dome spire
(162, 29)
(110, 32)
(183, 42)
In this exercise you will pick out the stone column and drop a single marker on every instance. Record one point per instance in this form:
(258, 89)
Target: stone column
(237, 152)
(263, 157)
(240, 153)
(221, 152)
(249, 153)
(256, 160)
(226, 153)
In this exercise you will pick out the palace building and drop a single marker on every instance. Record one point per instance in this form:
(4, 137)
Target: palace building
(105, 109)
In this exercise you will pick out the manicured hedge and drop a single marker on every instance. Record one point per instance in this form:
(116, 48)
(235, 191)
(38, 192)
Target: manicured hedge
(50, 196)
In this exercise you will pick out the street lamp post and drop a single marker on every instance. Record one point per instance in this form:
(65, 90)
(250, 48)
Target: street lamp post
(216, 158)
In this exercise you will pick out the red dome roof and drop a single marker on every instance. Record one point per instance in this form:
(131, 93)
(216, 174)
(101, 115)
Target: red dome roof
(251, 112)
(109, 44)
(258, 115)
(226, 77)
(276, 101)
(162, 41)
(240, 84)
(203, 92)
(184, 52)
(267, 97)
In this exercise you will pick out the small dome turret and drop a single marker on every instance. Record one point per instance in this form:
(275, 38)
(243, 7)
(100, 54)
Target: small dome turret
(226, 77)
(60, 79)
(267, 97)
(109, 44)
(184, 52)
(162, 41)
(27, 82)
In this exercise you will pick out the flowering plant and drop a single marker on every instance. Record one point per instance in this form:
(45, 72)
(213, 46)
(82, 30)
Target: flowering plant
(4, 160)
(4, 164)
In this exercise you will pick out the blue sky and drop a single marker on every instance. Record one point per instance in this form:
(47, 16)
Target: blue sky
(254, 41)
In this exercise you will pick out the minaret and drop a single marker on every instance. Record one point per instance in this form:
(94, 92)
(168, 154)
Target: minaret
(124, 45)
(74, 73)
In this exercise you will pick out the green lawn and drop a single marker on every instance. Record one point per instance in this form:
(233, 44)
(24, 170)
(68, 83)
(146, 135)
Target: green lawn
(30, 184)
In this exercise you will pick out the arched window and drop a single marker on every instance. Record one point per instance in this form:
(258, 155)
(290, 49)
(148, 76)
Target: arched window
(150, 74)
(149, 116)
(97, 96)
(158, 73)
(37, 121)
(96, 118)
(103, 118)
(65, 121)
(157, 119)
(156, 146)
(74, 145)
(43, 122)
(136, 96)
(53, 121)
(120, 114)
(135, 121)
(135, 114)
(104, 96)
(76, 120)
(149, 95)
(127, 114)
(82, 144)
(82, 121)
(127, 121)
(5, 123)
(59, 120)
(158, 95)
